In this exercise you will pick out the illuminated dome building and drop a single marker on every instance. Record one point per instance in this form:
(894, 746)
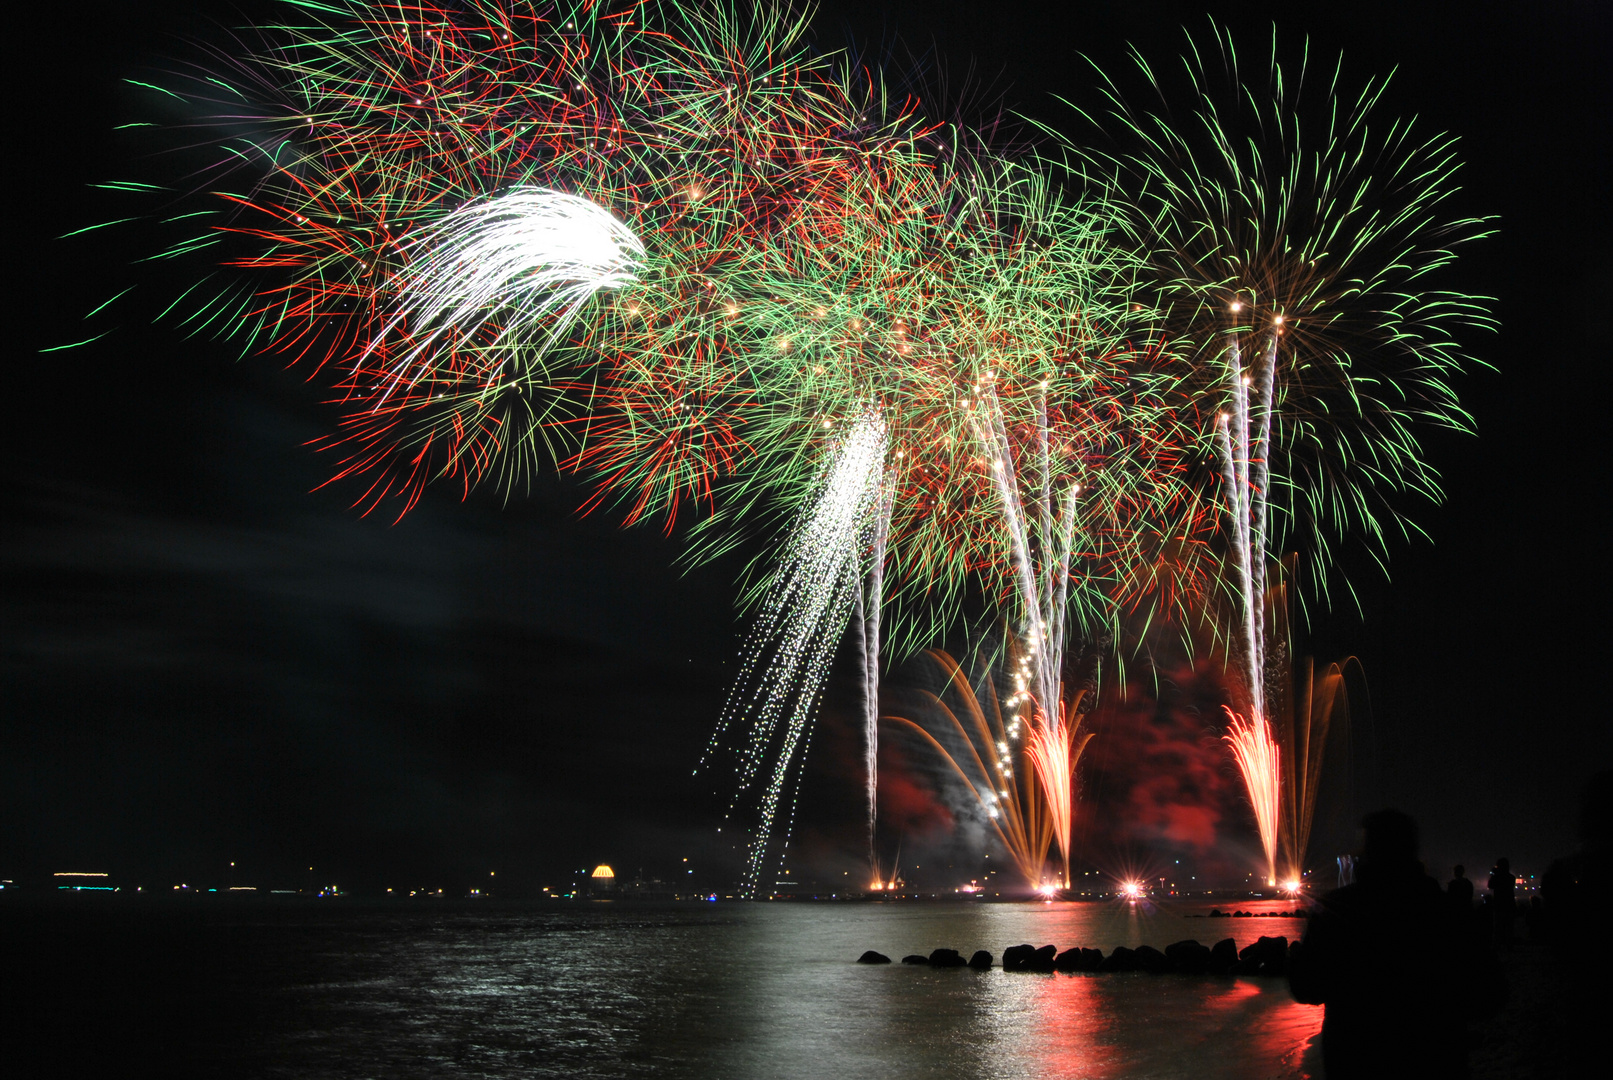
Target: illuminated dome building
(602, 880)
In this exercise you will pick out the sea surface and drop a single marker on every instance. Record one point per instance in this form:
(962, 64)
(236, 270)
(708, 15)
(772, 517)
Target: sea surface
(338, 989)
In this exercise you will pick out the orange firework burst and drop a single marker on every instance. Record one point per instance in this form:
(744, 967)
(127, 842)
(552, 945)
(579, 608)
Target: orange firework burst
(1027, 797)
(1053, 748)
(1257, 755)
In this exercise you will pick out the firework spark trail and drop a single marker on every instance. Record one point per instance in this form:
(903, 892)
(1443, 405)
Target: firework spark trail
(1259, 760)
(1032, 601)
(531, 254)
(788, 653)
(982, 756)
(1320, 703)
(1246, 480)
(1043, 592)
(870, 604)
(981, 751)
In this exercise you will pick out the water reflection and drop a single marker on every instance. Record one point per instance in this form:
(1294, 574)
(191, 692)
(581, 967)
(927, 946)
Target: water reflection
(804, 1010)
(1076, 1029)
(1094, 1027)
(1291, 1035)
(730, 991)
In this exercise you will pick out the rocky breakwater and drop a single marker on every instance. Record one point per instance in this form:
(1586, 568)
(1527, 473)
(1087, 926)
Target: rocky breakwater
(1267, 956)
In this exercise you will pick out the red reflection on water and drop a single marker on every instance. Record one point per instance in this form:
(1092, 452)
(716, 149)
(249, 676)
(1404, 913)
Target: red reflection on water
(1291, 1033)
(1071, 1021)
(1107, 1027)
(1235, 996)
(1279, 1029)
(1286, 1033)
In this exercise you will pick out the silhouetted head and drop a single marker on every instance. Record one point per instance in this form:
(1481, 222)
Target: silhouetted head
(1388, 839)
(1461, 871)
(1503, 864)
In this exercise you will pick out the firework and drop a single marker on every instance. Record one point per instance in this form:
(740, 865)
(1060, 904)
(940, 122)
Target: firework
(1259, 762)
(870, 597)
(671, 251)
(531, 255)
(980, 749)
(787, 655)
(1053, 749)
(393, 181)
(1303, 737)
(1295, 241)
(1304, 708)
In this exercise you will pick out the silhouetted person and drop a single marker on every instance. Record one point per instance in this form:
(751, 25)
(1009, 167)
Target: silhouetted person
(1574, 894)
(1460, 890)
(1572, 886)
(1389, 958)
(1503, 898)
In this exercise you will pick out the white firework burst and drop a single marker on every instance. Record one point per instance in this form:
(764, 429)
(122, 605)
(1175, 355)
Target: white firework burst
(529, 257)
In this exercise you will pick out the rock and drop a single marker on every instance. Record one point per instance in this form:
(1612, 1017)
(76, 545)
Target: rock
(916, 958)
(1028, 958)
(981, 960)
(1268, 956)
(1217, 913)
(872, 957)
(1043, 960)
(1240, 915)
(946, 958)
(1188, 957)
(1151, 960)
(1224, 957)
(1091, 959)
(1068, 960)
(1276, 960)
(1122, 959)
(1014, 957)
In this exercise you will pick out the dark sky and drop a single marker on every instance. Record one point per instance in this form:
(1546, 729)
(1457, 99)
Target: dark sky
(207, 660)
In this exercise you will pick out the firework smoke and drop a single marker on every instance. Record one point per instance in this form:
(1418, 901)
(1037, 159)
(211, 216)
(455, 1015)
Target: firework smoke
(978, 741)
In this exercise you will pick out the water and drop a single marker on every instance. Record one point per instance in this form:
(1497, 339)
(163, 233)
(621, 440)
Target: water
(721, 990)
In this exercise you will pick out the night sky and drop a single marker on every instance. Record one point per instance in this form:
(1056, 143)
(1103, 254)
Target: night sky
(206, 659)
